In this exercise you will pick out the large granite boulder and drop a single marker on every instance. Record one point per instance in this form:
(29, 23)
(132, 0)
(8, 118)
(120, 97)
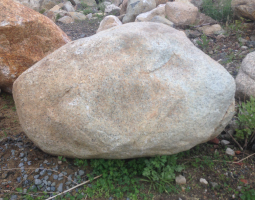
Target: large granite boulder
(136, 7)
(26, 37)
(245, 80)
(139, 89)
(244, 8)
(109, 22)
(181, 13)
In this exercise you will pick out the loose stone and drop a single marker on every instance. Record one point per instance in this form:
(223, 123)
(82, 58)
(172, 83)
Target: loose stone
(203, 181)
(230, 152)
(38, 182)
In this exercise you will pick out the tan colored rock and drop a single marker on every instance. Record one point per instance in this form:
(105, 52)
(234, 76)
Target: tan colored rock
(245, 80)
(158, 2)
(77, 16)
(135, 90)
(39, 5)
(66, 20)
(26, 37)
(51, 15)
(136, 7)
(204, 19)
(145, 17)
(109, 22)
(181, 13)
(213, 29)
(68, 7)
(244, 8)
(55, 8)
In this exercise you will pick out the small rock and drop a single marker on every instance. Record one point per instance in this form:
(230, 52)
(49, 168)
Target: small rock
(42, 172)
(214, 184)
(29, 162)
(4, 175)
(53, 184)
(24, 191)
(55, 177)
(52, 189)
(180, 180)
(81, 172)
(18, 179)
(36, 176)
(13, 152)
(224, 142)
(203, 181)
(21, 164)
(21, 155)
(25, 159)
(25, 177)
(38, 182)
(244, 47)
(13, 197)
(37, 170)
(60, 187)
(59, 162)
(46, 178)
(68, 182)
(230, 152)
(45, 162)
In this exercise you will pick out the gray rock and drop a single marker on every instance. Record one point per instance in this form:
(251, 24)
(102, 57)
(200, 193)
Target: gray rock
(36, 176)
(29, 162)
(53, 184)
(38, 182)
(25, 159)
(136, 7)
(203, 181)
(55, 177)
(48, 189)
(60, 187)
(68, 7)
(224, 142)
(81, 172)
(68, 182)
(21, 155)
(13, 152)
(13, 197)
(52, 188)
(37, 170)
(4, 175)
(49, 183)
(42, 172)
(24, 191)
(213, 184)
(25, 177)
(21, 164)
(18, 179)
(46, 178)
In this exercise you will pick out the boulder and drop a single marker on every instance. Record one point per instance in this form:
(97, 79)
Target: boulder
(135, 90)
(211, 29)
(163, 20)
(245, 80)
(158, 2)
(112, 10)
(77, 16)
(204, 19)
(66, 20)
(68, 7)
(109, 22)
(145, 17)
(26, 37)
(244, 8)
(136, 7)
(181, 13)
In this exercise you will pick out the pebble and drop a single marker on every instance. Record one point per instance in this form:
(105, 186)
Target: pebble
(224, 142)
(244, 47)
(25, 159)
(42, 172)
(36, 176)
(13, 152)
(24, 191)
(180, 180)
(60, 187)
(13, 197)
(49, 183)
(4, 175)
(37, 170)
(81, 172)
(25, 177)
(21, 164)
(52, 188)
(59, 162)
(46, 178)
(18, 179)
(53, 184)
(214, 184)
(29, 162)
(38, 182)
(203, 181)
(68, 182)
(55, 177)
(230, 152)
(21, 155)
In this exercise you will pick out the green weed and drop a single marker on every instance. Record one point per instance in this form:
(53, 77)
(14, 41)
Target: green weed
(205, 42)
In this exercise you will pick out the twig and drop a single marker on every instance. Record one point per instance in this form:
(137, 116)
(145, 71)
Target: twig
(74, 187)
(42, 169)
(245, 158)
(235, 141)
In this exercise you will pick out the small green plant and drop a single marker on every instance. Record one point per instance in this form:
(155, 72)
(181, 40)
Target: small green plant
(87, 11)
(42, 11)
(58, 16)
(220, 11)
(84, 5)
(248, 195)
(4, 107)
(61, 158)
(205, 42)
(246, 121)
(101, 7)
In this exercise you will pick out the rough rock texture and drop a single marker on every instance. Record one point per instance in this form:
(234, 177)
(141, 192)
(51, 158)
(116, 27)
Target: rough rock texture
(158, 2)
(181, 13)
(68, 7)
(26, 37)
(204, 19)
(123, 9)
(112, 9)
(210, 30)
(245, 80)
(77, 16)
(39, 5)
(139, 89)
(145, 17)
(244, 8)
(109, 22)
(66, 20)
(136, 7)
(163, 20)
